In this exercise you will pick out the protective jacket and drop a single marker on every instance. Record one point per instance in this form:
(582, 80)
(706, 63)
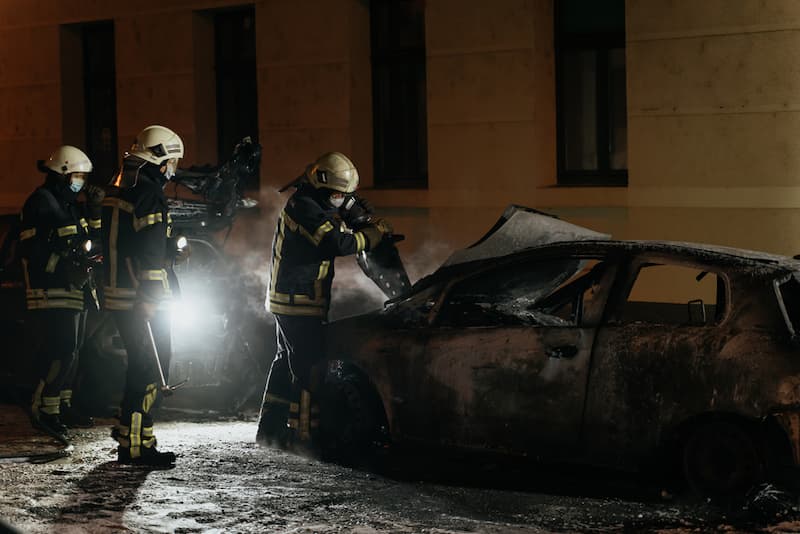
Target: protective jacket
(139, 228)
(308, 237)
(52, 234)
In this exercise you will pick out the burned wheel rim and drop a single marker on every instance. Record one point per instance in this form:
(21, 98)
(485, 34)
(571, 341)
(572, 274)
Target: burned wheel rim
(348, 422)
(721, 460)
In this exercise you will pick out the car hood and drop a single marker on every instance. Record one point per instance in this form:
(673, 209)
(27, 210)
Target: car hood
(520, 228)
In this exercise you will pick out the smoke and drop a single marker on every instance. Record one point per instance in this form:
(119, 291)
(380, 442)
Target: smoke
(353, 293)
(426, 259)
(250, 244)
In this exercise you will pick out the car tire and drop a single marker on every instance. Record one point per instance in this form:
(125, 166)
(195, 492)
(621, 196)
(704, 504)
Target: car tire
(351, 421)
(721, 461)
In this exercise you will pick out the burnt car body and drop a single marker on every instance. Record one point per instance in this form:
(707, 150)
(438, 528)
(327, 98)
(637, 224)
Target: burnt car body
(584, 349)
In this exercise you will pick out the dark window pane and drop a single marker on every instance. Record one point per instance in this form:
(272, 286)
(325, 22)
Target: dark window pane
(100, 91)
(399, 93)
(617, 110)
(580, 109)
(592, 112)
(591, 16)
(237, 95)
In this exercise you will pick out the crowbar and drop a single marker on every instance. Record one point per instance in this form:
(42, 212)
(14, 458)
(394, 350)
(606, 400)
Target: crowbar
(166, 389)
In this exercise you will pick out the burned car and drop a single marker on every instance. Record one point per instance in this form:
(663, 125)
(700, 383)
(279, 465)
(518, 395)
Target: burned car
(579, 348)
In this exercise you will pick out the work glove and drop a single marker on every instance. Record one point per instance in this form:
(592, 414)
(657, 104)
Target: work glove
(375, 232)
(372, 235)
(383, 226)
(94, 200)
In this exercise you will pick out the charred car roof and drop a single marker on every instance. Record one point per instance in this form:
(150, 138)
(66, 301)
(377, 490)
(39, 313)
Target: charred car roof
(758, 263)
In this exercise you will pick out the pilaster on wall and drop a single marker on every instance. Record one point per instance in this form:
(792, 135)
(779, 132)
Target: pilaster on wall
(491, 99)
(155, 80)
(30, 107)
(714, 103)
(314, 85)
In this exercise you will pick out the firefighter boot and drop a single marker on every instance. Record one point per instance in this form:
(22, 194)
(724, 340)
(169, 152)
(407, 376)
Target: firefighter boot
(304, 423)
(45, 416)
(71, 417)
(50, 424)
(137, 445)
(272, 429)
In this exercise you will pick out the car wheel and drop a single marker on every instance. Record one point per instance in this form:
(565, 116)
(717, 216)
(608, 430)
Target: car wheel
(721, 460)
(351, 421)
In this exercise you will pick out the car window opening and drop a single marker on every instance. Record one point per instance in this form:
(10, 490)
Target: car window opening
(675, 294)
(547, 293)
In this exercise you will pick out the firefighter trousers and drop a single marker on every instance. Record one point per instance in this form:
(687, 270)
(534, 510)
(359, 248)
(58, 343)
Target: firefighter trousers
(300, 345)
(142, 381)
(55, 357)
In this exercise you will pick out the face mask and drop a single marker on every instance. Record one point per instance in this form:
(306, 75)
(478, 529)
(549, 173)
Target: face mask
(336, 202)
(170, 171)
(76, 184)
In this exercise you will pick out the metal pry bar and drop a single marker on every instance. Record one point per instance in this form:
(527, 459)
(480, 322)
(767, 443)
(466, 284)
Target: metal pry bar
(165, 388)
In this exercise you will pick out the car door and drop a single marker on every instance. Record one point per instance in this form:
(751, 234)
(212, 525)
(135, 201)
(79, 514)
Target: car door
(654, 357)
(506, 359)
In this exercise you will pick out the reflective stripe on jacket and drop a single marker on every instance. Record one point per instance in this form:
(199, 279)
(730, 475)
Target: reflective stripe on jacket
(138, 225)
(307, 240)
(51, 227)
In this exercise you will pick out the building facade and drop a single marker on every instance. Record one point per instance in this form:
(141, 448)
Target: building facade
(643, 118)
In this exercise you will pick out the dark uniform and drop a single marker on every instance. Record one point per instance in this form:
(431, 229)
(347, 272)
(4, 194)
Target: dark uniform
(309, 236)
(52, 236)
(137, 270)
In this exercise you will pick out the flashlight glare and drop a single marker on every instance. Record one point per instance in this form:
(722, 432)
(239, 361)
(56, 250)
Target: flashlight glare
(182, 242)
(87, 245)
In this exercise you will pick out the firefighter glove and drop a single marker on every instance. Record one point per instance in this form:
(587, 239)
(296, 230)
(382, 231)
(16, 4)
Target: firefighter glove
(373, 235)
(94, 200)
(383, 226)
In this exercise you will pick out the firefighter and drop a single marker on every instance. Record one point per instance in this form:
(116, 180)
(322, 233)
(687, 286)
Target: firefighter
(309, 236)
(58, 246)
(140, 250)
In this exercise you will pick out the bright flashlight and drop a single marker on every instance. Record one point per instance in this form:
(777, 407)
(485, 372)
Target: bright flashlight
(182, 242)
(87, 245)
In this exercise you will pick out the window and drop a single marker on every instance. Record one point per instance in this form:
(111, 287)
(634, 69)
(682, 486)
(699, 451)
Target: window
(675, 294)
(399, 93)
(548, 293)
(89, 98)
(237, 95)
(591, 101)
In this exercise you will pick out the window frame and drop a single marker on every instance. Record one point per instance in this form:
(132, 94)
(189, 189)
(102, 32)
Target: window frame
(604, 175)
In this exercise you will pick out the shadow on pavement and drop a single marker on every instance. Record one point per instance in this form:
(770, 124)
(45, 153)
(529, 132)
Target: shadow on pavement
(103, 496)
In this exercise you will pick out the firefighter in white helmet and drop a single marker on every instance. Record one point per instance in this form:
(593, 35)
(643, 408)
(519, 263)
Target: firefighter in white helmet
(140, 249)
(59, 246)
(309, 236)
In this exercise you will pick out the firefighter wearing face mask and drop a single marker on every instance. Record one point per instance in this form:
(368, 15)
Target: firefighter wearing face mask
(308, 237)
(58, 246)
(140, 250)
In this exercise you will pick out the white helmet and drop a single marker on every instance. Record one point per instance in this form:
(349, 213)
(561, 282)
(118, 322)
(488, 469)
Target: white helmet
(157, 144)
(333, 170)
(68, 159)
